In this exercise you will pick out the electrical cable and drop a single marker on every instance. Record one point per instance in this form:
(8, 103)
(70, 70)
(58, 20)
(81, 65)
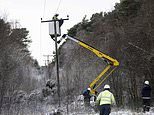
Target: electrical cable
(44, 8)
(40, 45)
(140, 49)
(58, 6)
(40, 42)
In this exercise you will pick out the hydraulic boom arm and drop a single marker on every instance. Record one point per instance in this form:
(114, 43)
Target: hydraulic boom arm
(110, 61)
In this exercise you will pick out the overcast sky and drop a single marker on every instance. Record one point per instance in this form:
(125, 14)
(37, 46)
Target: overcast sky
(29, 13)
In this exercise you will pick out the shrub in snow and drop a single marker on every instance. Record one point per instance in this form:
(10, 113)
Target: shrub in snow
(51, 84)
(19, 96)
(50, 88)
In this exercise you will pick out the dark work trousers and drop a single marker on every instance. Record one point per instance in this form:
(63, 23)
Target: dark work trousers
(87, 102)
(146, 105)
(105, 109)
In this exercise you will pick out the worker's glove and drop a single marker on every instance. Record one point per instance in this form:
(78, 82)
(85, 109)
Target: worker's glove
(58, 41)
(64, 35)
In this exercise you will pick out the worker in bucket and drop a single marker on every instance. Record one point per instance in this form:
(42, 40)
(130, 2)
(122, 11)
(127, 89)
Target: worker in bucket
(105, 99)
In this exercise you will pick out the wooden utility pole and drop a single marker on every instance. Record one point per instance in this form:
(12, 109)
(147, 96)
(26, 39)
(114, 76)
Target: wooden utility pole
(55, 32)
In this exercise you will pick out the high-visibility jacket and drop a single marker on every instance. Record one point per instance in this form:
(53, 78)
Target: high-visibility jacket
(105, 97)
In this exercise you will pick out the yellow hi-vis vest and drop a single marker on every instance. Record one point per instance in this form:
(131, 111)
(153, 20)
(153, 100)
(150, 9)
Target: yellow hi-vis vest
(105, 97)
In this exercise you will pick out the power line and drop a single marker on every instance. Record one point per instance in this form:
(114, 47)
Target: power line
(44, 8)
(40, 52)
(54, 20)
(58, 6)
(140, 48)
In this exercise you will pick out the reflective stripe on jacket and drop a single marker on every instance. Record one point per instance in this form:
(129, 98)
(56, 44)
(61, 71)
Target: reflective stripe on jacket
(105, 97)
(146, 97)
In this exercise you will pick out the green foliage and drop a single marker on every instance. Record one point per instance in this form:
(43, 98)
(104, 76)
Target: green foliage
(20, 35)
(16, 65)
(125, 34)
(128, 8)
(84, 25)
(73, 31)
(96, 16)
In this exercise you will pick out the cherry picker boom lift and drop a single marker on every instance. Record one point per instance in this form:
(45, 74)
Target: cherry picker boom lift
(109, 60)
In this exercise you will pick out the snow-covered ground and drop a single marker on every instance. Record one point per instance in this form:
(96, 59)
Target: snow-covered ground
(77, 108)
(118, 112)
(122, 112)
(34, 104)
(128, 112)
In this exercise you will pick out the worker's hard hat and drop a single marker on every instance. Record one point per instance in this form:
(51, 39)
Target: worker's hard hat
(89, 88)
(106, 87)
(146, 82)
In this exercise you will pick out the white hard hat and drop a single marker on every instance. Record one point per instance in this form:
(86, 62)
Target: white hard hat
(89, 88)
(146, 82)
(106, 87)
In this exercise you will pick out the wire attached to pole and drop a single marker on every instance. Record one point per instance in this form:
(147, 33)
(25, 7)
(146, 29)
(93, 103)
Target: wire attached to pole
(58, 6)
(44, 8)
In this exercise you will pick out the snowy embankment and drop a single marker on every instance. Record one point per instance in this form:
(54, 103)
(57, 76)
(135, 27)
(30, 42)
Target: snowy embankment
(77, 108)
(119, 112)
(37, 104)
(123, 112)
(128, 112)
